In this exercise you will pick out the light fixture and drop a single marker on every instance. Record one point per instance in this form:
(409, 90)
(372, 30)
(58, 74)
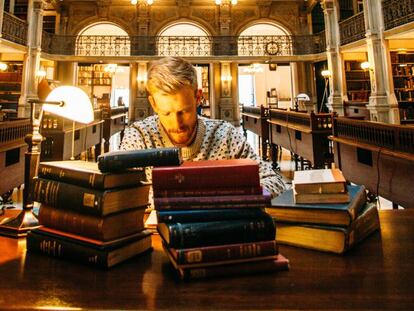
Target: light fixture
(111, 68)
(233, 2)
(365, 66)
(301, 97)
(66, 101)
(3, 66)
(253, 68)
(149, 2)
(326, 73)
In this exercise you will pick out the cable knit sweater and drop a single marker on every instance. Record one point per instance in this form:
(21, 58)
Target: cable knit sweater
(215, 140)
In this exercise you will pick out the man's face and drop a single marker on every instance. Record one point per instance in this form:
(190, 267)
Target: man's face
(177, 113)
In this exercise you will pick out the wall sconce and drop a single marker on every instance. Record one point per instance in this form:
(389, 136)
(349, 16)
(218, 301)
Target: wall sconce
(66, 101)
(111, 68)
(3, 66)
(366, 66)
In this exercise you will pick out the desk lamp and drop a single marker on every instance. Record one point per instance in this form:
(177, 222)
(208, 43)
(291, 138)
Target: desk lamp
(301, 97)
(66, 101)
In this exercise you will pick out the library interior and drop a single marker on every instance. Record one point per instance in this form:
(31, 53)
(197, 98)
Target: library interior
(320, 91)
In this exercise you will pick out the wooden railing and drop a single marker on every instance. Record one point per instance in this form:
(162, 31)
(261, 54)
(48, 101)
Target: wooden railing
(315, 122)
(352, 29)
(13, 131)
(393, 137)
(397, 12)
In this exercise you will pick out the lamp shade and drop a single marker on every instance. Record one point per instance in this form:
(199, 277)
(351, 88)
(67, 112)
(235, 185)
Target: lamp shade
(77, 105)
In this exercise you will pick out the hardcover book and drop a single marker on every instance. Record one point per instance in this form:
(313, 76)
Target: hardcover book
(204, 215)
(87, 174)
(330, 238)
(312, 198)
(66, 196)
(226, 252)
(186, 235)
(319, 181)
(95, 227)
(204, 174)
(210, 191)
(106, 256)
(224, 201)
(117, 161)
(283, 208)
(280, 263)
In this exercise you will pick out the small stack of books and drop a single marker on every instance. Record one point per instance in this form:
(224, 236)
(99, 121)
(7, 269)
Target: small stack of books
(89, 216)
(323, 224)
(211, 219)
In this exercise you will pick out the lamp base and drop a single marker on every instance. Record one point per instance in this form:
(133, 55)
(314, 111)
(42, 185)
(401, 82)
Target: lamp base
(18, 226)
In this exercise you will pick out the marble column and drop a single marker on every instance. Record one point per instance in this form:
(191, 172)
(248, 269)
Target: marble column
(32, 57)
(333, 43)
(383, 105)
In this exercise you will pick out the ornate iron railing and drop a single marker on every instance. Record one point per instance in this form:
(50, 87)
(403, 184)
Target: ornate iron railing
(103, 46)
(352, 29)
(14, 29)
(202, 46)
(397, 12)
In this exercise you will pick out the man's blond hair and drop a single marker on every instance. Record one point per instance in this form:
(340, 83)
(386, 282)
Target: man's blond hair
(170, 74)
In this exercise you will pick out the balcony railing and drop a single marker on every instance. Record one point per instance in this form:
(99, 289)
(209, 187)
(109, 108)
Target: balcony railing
(202, 46)
(397, 12)
(14, 29)
(352, 29)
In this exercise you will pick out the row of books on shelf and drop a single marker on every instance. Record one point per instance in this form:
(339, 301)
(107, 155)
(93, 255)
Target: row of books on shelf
(403, 70)
(403, 83)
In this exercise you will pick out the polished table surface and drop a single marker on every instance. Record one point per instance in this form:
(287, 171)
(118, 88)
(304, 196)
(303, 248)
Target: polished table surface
(379, 273)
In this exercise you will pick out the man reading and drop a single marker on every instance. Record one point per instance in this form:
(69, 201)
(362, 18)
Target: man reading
(172, 88)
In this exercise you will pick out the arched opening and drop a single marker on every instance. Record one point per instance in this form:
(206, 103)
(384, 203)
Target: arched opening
(103, 39)
(183, 39)
(263, 39)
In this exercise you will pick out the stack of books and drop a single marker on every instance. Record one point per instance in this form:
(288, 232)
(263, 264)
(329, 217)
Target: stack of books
(212, 221)
(89, 216)
(324, 224)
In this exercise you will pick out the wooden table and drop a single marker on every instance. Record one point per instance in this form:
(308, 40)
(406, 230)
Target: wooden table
(378, 273)
(255, 120)
(377, 155)
(304, 134)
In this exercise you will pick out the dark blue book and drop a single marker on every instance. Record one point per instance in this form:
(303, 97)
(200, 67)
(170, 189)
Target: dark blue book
(283, 208)
(204, 215)
(194, 234)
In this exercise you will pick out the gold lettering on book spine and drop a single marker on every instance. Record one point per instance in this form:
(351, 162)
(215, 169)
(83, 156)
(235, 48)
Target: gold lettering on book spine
(194, 256)
(88, 199)
(92, 179)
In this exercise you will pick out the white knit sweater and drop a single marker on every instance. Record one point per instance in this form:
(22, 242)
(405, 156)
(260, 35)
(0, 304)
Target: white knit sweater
(215, 140)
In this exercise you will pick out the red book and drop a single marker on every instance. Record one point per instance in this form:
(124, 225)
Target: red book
(224, 201)
(206, 192)
(207, 174)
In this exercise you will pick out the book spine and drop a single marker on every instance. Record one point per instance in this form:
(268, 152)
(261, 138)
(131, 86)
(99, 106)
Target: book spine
(214, 200)
(160, 193)
(249, 268)
(198, 234)
(225, 252)
(62, 249)
(204, 215)
(67, 196)
(122, 160)
(94, 227)
(202, 178)
(209, 206)
(81, 178)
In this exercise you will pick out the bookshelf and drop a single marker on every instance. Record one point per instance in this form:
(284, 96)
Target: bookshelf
(403, 76)
(358, 87)
(205, 85)
(10, 88)
(96, 82)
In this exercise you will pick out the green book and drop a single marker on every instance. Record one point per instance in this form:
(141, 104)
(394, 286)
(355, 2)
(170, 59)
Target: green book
(330, 238)
(283, 208)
